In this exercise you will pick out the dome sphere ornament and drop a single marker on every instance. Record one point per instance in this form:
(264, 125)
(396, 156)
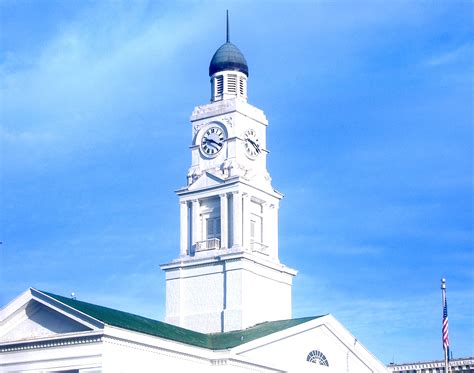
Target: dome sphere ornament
(228, 57)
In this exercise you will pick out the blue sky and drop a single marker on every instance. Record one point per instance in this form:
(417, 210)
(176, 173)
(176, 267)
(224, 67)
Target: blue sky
(371, 138)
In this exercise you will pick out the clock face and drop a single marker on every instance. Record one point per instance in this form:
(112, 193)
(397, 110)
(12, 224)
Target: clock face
(212, 141)
(251, 144)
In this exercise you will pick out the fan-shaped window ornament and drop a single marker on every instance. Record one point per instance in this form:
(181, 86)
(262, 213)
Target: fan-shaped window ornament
(317, 357)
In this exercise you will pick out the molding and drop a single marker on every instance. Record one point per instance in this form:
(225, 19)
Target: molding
(57, 341)
(12, 313)
(147, 341)
(221, 120)
(220, 109)
(187, 193)
(66, 310)
(229, 120)
(15, 306)
(230, 255)
(195, 358)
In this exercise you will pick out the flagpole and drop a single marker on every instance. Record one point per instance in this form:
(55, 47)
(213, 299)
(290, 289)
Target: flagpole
(445, 325)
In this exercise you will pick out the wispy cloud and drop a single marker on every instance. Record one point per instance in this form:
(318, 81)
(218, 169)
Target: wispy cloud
(76, 87)
(452, 56)
(377, 320)
(26, 137)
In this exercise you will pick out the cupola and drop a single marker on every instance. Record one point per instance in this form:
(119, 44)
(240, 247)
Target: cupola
(228, 71)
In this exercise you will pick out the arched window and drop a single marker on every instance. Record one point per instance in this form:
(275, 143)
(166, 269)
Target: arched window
(317, 357)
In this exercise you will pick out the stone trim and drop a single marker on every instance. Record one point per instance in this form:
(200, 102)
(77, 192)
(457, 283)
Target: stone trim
(159, 350)
(33, 345)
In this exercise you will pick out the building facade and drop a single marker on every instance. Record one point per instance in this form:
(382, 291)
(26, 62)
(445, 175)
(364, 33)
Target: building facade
(437, 366)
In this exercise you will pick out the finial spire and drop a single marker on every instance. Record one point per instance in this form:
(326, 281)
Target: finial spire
(227, 24)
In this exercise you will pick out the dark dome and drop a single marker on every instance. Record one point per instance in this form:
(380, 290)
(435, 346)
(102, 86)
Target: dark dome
(228, 57)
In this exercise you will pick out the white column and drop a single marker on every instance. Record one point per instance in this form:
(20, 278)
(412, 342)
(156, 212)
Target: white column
(266, 229)
(246, 220)
(184, 228)
(274, 230)
(224, 221)
(237, 219)
(196, 228)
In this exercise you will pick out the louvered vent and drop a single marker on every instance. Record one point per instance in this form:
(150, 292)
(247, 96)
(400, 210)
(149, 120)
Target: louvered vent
(232, 83)
(219, 85)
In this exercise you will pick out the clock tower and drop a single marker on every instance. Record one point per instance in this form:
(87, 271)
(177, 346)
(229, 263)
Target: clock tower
(228, 275)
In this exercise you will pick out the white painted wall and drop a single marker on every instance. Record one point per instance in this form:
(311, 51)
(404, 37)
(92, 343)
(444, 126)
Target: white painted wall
(232, 292)
(289, 349)
(126, 357)
(128, 352)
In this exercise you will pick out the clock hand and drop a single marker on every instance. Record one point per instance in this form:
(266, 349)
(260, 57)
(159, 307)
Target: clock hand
(214, 141)
(255, 145)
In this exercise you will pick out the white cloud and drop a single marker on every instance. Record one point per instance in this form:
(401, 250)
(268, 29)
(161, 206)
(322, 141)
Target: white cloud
(91, 76)
(450, 56)
(26, 137)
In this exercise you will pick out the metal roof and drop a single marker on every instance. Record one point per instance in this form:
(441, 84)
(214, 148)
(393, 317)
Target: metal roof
(228, 57)
(213, 341)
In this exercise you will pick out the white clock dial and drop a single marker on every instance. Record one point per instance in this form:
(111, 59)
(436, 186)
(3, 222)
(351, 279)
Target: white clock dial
(212, 141)
(251, 144)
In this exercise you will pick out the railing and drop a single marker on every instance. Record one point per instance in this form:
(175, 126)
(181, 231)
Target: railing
(210, 244)
(259, 247)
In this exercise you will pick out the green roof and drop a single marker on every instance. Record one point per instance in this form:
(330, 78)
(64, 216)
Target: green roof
(213, 341)
(231, 339)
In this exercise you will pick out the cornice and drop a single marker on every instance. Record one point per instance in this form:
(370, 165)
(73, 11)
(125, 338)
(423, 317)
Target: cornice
(56, 341)
(228, 106)
(229, 183)
(227, 255)
(195, 356)
(430, 364)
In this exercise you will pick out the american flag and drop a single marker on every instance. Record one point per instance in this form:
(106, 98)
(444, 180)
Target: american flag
(445, 326)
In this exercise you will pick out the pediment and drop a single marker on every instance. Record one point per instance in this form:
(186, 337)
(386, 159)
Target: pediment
(319, 345)
(206, 180)
(36, 320)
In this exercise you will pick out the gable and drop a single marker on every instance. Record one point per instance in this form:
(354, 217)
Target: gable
(35, 320)
(291, 351)
(206, 180)
(322, 345)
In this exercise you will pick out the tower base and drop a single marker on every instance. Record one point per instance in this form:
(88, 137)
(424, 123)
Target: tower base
(231, 291)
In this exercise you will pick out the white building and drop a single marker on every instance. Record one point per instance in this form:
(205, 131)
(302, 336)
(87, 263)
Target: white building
(455, 365)
(228, 297)
(228, 275)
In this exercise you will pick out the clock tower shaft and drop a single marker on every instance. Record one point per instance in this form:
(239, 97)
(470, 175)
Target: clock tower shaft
(228, 275)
